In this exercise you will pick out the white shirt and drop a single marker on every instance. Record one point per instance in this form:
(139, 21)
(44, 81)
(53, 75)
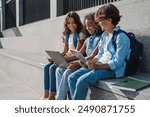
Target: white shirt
(107, 55)
(70, 44)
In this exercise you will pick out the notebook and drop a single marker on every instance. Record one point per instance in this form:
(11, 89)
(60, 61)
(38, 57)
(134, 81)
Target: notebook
(131, 84)
(57, 58)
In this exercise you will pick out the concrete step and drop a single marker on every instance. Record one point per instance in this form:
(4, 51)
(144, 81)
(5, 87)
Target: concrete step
(24, 80)
(13, 88)
(104, 90)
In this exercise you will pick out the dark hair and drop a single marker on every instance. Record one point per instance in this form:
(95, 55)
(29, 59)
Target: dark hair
(77, 20)
(90, 17)
(109, 11)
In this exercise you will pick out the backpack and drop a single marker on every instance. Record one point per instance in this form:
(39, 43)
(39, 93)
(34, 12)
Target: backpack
(132, 65)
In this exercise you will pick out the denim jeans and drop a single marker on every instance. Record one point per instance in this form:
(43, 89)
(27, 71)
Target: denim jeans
(80, 80)
(49, 78)
(62, 79)
(59, 72)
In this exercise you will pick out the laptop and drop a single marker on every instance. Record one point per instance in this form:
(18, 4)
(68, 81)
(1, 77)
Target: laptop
(57, 58)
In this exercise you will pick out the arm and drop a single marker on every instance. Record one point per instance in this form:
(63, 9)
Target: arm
(65, 48)
(74, 65)
(122, 48)
(82, 50)
(80, 44)
(81, 41)
(92, 65)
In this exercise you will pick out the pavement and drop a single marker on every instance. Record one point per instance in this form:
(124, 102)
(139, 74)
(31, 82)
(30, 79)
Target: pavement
(21, 78)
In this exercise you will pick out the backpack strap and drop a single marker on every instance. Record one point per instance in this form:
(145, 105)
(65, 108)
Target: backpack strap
(75, 38)
(129, 34)
(96, 40)
(67, 38)
(114, 38)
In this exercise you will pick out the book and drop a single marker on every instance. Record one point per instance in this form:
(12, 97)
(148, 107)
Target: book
(79, 56)
(131, 84)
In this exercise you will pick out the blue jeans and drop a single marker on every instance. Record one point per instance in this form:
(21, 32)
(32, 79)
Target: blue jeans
(49, 78)
(80, 80)
(62, 79)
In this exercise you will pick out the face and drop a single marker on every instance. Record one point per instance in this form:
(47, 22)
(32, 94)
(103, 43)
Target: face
(90, 26)
(104, 23)
(71, 25)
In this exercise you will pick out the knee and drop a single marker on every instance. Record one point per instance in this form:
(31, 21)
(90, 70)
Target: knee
(59, 70)
(66, 74)
(71, 78)
(52, 67)
(81, 82)
(46, 67)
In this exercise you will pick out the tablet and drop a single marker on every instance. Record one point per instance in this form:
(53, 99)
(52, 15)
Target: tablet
(79, 56)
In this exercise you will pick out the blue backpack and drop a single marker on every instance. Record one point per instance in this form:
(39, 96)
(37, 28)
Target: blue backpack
(75, 39)
(136, 47)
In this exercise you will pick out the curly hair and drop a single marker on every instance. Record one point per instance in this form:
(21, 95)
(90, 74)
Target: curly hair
(91, 17)
(77, 20)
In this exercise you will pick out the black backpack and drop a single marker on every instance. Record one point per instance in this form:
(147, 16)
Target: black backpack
(136, 47)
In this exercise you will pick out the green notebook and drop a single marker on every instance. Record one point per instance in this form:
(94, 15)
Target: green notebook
(131, 84)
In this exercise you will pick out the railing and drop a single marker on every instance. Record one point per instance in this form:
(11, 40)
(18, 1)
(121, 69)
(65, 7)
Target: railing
(76, 5)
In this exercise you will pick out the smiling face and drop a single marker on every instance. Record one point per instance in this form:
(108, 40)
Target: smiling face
(90, 26)
(107, 16)
(72, 26)
(104, 23)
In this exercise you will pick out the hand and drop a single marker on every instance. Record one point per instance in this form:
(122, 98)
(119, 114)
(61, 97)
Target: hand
(69, 57)
(50, 60)
(94, 60)
(92, 64)
(74, 66)
(89, 58)
(82, 64)
(63, 53)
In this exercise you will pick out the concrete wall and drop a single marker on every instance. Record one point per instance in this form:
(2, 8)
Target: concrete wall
(136, 18)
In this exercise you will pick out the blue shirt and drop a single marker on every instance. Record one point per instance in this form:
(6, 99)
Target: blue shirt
(117, 60)
(91, 43)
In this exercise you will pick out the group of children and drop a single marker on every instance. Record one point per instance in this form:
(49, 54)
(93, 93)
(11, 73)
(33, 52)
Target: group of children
(104, 60)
